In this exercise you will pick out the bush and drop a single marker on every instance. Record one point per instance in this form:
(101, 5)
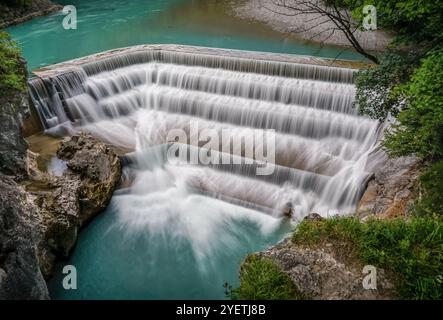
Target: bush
(411, 250)
(262, 279)
(376, 96)
(413, 21)
(12, 70)
(432, 185)
(420, 127)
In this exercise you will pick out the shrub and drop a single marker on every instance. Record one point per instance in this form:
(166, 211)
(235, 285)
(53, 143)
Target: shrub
(12, 70)
(420, 127)
(376, 96)
(432, 185)
(262, 279)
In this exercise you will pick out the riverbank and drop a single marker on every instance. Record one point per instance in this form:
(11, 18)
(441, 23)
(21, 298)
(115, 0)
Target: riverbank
(41, 211)
(326, 258)
(305, 26)
(347, 259)
(12, 15)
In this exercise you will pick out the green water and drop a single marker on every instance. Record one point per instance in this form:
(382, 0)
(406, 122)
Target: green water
(110, 24)
(160, 243)
(157, 240)
(166, 262)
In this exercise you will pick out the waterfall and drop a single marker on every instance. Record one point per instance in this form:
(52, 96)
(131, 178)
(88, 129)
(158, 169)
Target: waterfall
(324, 151)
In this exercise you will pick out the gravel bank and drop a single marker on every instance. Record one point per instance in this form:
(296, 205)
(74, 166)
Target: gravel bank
(263, 11)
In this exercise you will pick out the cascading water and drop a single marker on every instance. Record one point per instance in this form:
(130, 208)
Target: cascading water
(192, 221)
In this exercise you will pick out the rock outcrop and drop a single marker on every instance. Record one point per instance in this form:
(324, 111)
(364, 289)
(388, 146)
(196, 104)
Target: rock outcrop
(306, 26)
(20, 275)
(78, 195)
(13, 14)
(95, 167)
(325, 271)
(40, 225)
(12, 144)
(320, 273)
(393, 190)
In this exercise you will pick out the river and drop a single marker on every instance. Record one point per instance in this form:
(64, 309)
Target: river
(157, 240)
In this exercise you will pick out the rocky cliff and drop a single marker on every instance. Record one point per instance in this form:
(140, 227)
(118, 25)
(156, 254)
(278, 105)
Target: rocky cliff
(13, 108)
(40, 224)
(20, 275)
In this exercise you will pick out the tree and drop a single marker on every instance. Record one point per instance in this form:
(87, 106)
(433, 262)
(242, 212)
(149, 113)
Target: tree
(322, 13)
(415, 22)
(376, 94)
(12, 71)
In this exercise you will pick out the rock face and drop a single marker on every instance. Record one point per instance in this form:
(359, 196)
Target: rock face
(319, 273)
(38, 226)
(20, 276)
(10, 14)
(393, 189)
(12, 144)
(95, 167)
(83, 191)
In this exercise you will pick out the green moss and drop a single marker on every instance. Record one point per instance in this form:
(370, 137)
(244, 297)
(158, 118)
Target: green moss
(411, 250)
(262, 279)
(12, 70)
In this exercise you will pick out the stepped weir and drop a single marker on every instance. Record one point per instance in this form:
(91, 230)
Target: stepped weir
(324, 152)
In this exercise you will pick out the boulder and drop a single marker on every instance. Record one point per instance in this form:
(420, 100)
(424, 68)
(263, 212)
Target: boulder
(78, 195)
(96, 168)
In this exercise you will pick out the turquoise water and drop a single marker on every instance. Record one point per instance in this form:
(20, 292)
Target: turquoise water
(146, 263)
(158, 240)
(184, 245)
(110, 24)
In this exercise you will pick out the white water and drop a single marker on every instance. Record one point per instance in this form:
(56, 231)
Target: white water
(322, 145)
(324, 151)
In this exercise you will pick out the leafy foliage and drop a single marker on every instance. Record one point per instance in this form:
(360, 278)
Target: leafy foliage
(432, 184)
(420, 127)
(412, 250)
(12, 71)
(413, 21)
(262, 279)
(376, 95)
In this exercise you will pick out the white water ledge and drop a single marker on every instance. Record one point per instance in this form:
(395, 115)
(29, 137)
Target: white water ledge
(66, 66)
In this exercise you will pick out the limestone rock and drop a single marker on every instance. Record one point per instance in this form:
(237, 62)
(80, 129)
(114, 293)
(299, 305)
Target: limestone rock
(20, 275)
(319, 274)
(393, 189)
(97, 168)
(83, 191)
(12, 144)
